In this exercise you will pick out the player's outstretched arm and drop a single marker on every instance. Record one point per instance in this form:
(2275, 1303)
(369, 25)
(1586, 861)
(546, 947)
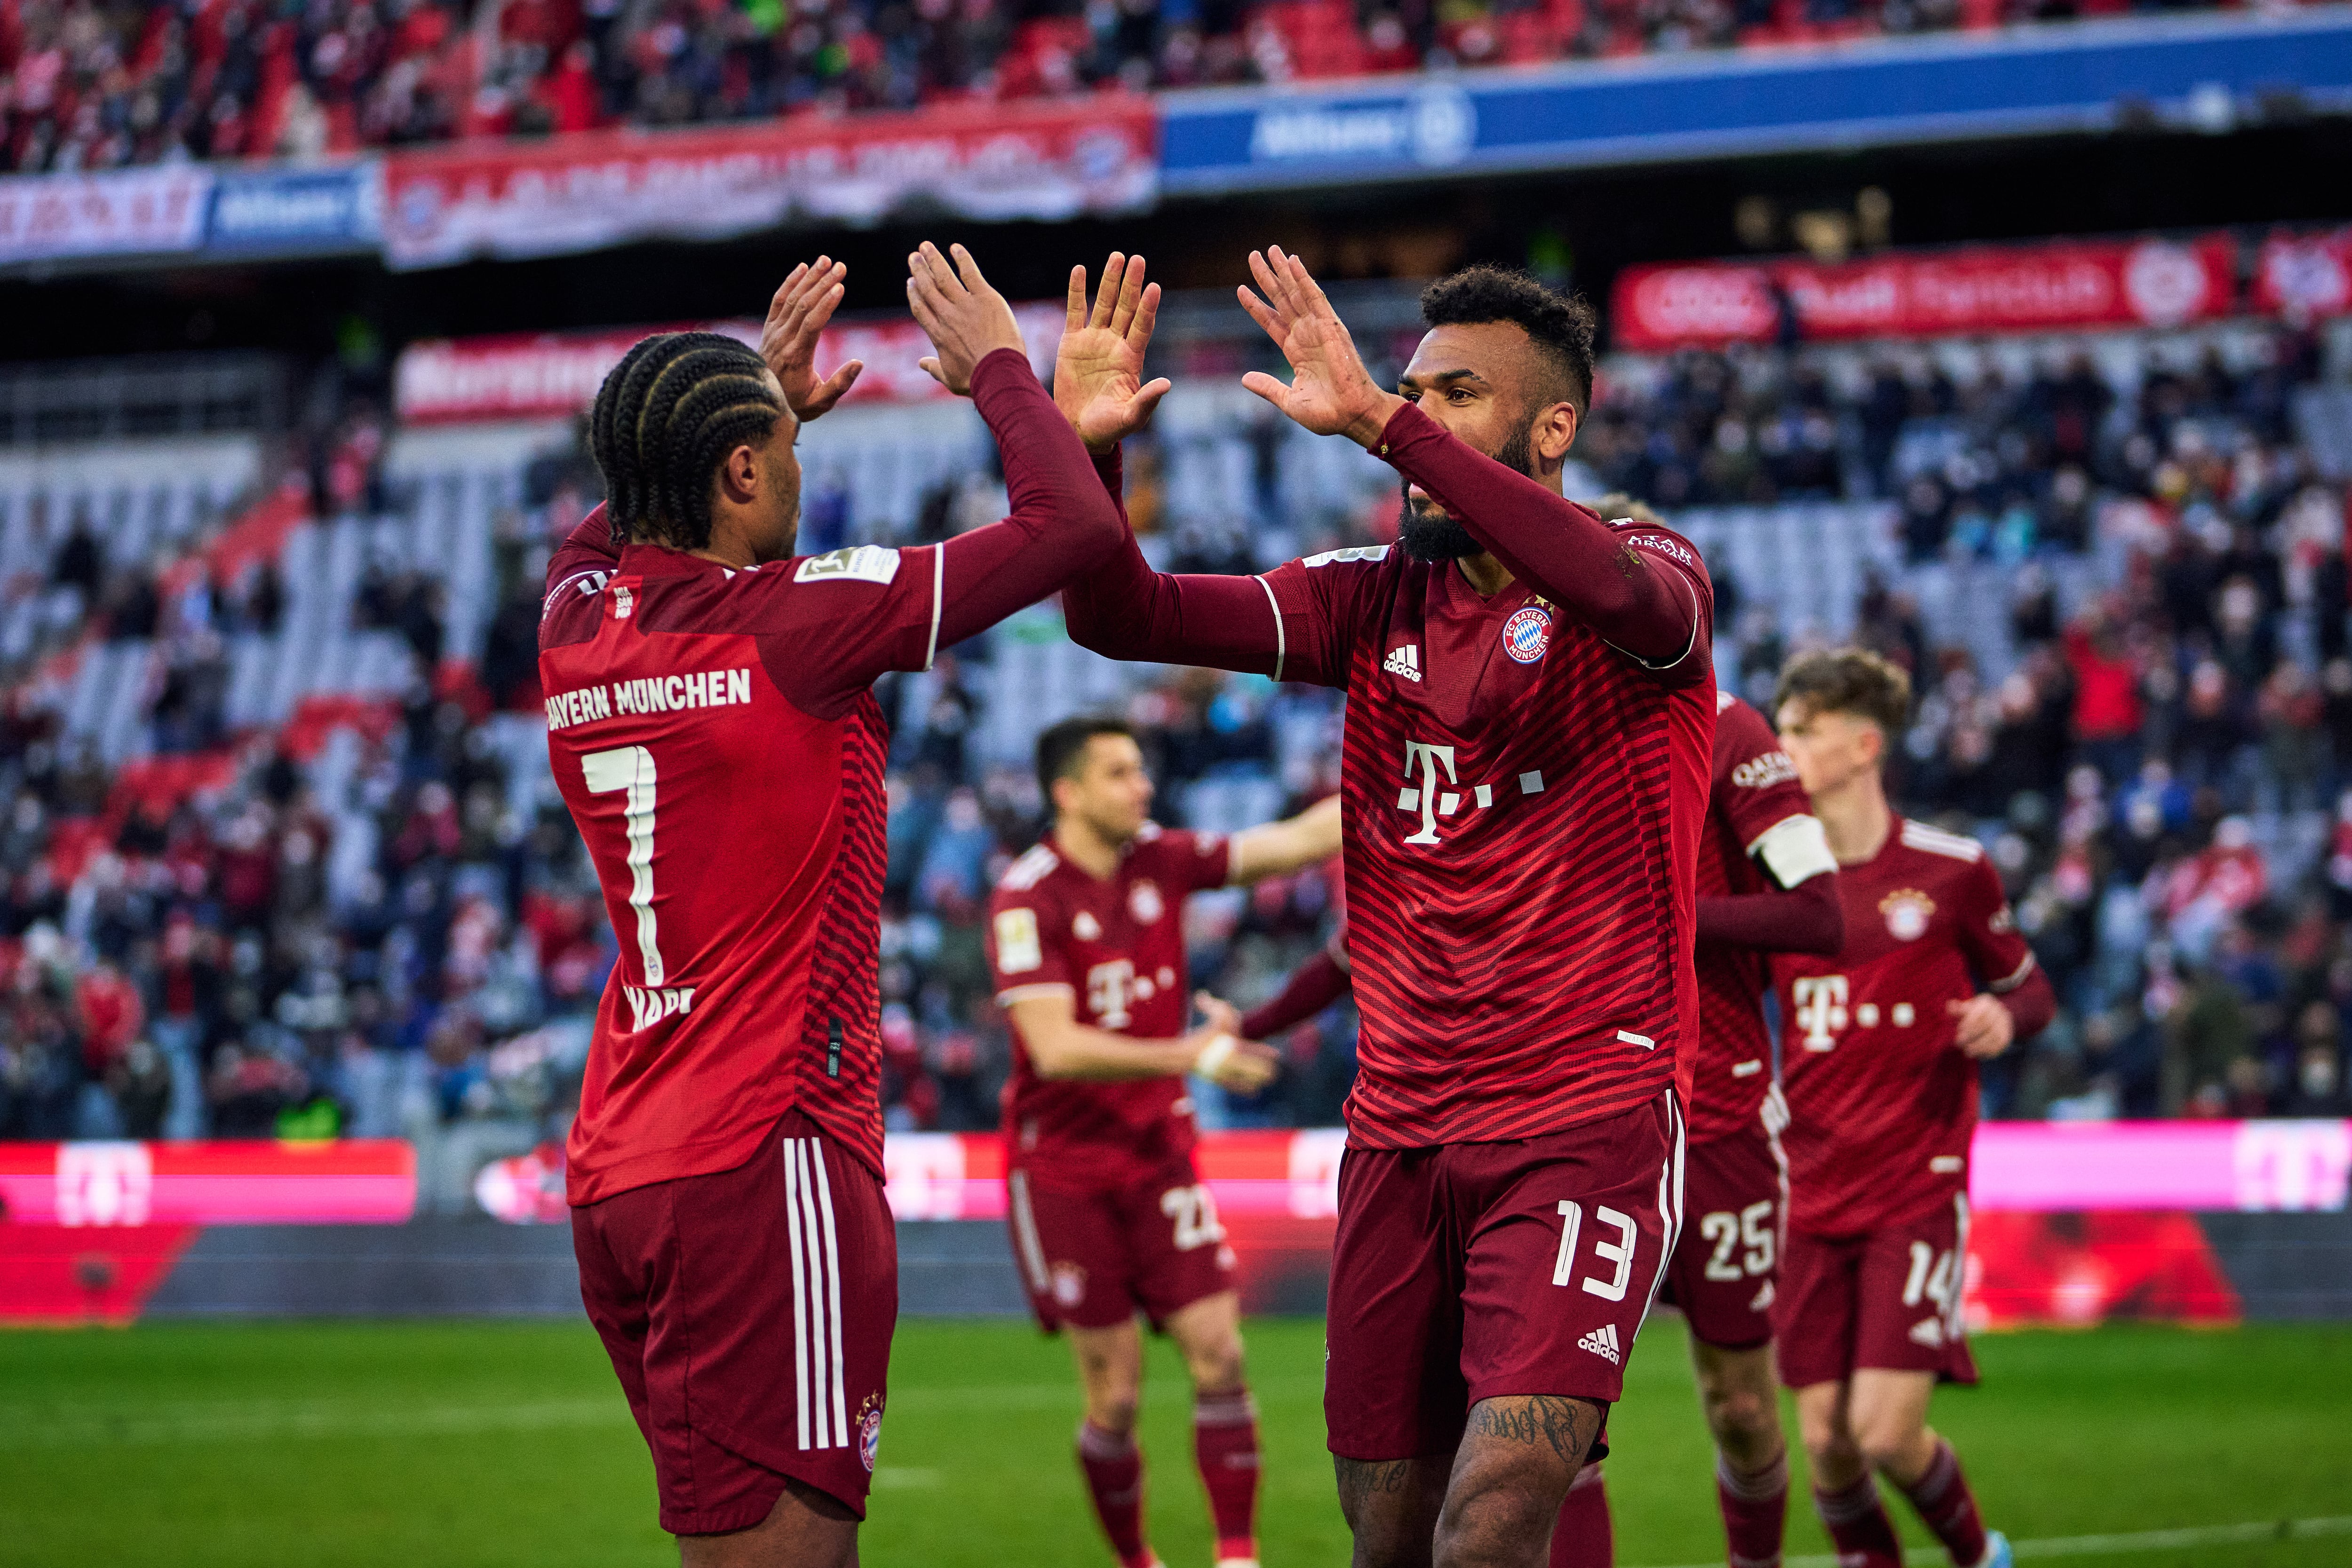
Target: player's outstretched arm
(1060, 1047)
(1806, 918)
(1801, 913)
(1124, 610)
(803, 303)
(1655, 609)
(1062, 522)
(1313, 985)
(1271, 849)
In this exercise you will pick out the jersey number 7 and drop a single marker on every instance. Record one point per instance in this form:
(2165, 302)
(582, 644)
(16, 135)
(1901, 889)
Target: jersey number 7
(631, 767)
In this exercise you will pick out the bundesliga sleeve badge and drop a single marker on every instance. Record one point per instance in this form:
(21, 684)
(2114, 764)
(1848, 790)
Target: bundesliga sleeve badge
(1527, 635)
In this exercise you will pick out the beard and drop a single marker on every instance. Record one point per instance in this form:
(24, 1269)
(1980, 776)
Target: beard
(1429, 535)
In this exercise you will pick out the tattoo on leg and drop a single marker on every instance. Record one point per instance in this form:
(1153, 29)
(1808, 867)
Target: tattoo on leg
(1564, 1426)
(1369, 1478)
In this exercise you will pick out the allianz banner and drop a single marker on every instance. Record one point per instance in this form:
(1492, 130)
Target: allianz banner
(582, 192)
(295, 212)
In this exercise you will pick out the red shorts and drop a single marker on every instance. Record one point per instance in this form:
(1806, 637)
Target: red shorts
(1887, 1299)
(1093, 1256)
(1475, 1271)
(749, 1315)
(1736, 1196)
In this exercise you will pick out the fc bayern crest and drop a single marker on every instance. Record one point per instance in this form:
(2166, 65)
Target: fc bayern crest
(1527, 635)
(1907, 911)
(1143, 902)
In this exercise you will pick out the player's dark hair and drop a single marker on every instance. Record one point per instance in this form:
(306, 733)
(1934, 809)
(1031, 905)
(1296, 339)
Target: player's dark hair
(1848, 680)
(1061, 746)
(664, 419)
(1560, 325)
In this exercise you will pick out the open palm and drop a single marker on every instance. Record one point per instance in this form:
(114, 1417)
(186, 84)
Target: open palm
(1099, 370)
(797, 316)
(1330, 391)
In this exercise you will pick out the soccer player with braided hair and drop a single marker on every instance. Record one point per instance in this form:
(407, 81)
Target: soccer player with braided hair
(711, 726)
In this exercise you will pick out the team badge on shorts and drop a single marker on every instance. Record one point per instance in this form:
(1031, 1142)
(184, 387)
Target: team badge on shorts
(1143, 902)
(1527, 635)
(869, 1430)
(1908, 912)
(1069, 1285)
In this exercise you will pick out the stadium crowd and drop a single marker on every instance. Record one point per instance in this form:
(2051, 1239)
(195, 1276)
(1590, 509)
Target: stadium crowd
(85, 85)
(379, 921)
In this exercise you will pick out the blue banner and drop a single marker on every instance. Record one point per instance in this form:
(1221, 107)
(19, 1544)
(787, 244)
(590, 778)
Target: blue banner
(2203, 72)
(296, 212)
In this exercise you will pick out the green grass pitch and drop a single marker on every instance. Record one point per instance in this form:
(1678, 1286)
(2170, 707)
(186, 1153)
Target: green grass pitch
(441, 1445)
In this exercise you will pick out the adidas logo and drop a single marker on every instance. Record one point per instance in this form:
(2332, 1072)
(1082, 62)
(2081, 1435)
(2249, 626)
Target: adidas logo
(1603, 1342)
(1928, 1331)
(1404, 661)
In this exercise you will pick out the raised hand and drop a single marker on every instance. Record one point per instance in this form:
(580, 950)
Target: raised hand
(1099, 370)
(965, 318)
(1330, 391)
(796, 316)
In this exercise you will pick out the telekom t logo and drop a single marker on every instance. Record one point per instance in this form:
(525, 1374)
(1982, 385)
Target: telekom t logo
(1430, 758)
(1821, 1008)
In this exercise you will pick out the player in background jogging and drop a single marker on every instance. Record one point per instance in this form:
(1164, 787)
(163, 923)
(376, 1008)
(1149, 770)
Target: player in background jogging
(1879, 1048)
(711, 725)
(1109, 1215)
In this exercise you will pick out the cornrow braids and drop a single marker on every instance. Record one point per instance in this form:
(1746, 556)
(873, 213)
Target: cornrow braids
(664, 419)
(615, 460)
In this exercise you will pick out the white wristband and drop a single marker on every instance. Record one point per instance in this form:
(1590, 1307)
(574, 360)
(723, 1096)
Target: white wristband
(1214, 1055)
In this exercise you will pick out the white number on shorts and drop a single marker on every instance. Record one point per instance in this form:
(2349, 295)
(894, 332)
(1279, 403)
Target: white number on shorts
(1194, 1210)
(1721, 1227)
(1752, 1225)
(1619, 1252)
(1934, 1277)
(631, 767)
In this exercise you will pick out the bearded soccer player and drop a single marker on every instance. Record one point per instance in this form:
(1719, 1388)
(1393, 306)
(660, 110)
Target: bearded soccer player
(711, 727)
(1109, 1213)
(1531, 704)
(1879, 1054)
(1765, 883)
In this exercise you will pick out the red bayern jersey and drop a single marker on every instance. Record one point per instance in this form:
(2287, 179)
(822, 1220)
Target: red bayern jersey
(1116, 949)
(713, 734)
(712, 730)
(1882, 1102)
(1524, 805)
(1754, 790)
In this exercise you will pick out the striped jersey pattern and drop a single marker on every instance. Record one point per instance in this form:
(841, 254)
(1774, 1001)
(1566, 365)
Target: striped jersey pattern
(1523, 810)
(844, 954)
(821, 1400)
